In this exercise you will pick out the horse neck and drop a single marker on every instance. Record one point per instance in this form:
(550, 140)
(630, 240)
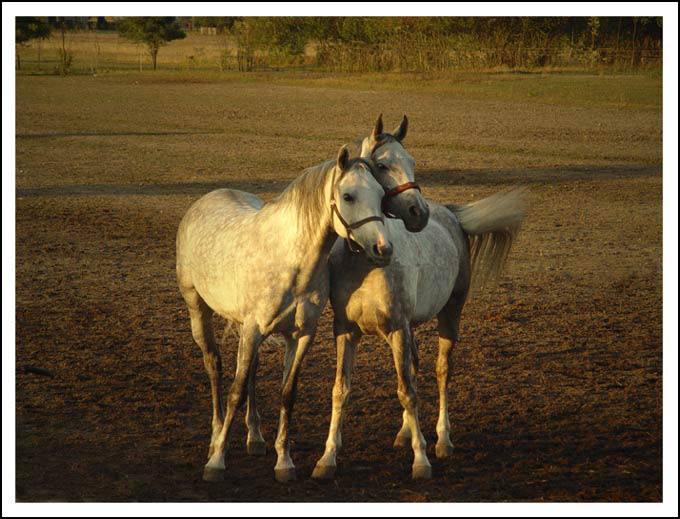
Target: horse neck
(307, 226)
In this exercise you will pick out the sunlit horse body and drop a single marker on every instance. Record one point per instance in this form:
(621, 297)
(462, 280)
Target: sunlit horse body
(264, 267)
(393, 168)
(429, 276)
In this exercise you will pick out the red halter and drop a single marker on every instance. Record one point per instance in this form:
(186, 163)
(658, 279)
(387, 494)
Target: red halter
(394, 192)
(384, 139)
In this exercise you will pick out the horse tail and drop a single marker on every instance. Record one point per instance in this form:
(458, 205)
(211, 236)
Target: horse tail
(491, 225)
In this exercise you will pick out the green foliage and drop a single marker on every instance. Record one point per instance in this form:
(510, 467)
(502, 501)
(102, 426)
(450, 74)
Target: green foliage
(31, 27)
(28, 28)
(153, 31)
(362, 43)
(288, 32)
(438, 43)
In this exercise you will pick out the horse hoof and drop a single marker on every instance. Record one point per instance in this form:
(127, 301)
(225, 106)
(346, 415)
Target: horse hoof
(421, 472)
(324, 471)
(401, 442)
(256, 448)
(211, 474)
(443, 450)
(284, 475)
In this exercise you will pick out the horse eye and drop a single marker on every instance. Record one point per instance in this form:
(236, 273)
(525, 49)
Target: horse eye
(347, 198)
(382, 167)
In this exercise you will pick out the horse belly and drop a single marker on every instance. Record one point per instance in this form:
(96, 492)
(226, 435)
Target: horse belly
(434, 290)
(432, 268)
(222, 293)
(228, 289)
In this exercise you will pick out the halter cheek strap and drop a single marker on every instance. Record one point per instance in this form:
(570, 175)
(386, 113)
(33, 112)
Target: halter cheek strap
(349, 226)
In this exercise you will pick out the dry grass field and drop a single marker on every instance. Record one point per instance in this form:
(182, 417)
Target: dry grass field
(106, 50)
(556, 393)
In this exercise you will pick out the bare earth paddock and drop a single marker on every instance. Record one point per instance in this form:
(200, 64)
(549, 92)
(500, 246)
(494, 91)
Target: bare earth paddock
(556, 391)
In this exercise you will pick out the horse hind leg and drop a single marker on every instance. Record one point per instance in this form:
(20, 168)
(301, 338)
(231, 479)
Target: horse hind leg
(202, 331)
(448, 324)
(247, 350)
(255, 445)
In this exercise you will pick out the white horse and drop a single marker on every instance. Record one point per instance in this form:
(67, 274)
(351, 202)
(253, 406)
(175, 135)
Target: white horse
(393, 168)
(264, 267)
(429, 276)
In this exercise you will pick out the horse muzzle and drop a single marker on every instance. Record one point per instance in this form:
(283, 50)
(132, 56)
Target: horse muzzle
(415, 218)
(419, 215)
(381, 254)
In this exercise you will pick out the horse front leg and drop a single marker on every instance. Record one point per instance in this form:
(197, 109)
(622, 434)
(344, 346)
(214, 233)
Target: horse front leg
(247, 350)
(346, 355)
(295, 354)
(403, 438)
(255, 445)
(400, 340)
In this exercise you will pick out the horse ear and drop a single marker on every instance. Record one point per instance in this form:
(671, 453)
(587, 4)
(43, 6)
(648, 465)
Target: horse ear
(377, 129)
(343, 158)
(400, 132)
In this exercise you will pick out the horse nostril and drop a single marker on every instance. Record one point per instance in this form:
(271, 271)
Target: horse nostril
(383, 250)
(414, 210)
(387, 250)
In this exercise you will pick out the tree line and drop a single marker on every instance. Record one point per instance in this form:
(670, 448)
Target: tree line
(445, 42)
(400, 43)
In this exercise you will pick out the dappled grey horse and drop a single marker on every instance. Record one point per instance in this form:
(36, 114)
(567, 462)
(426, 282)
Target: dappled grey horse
(264, 267)
(394, 170)
(429, 276)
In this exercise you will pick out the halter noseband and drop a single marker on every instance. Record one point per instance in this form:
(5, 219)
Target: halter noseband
(389, 193)
(394, 192)
(349, 226)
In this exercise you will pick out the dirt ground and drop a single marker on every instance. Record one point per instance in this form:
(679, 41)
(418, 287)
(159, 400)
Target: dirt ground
(556, 393)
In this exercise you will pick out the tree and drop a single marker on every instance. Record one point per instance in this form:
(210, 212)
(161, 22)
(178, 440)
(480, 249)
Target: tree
(153, 31)
(594, 26)
(28, 28)
(31, 27)
(65, 55)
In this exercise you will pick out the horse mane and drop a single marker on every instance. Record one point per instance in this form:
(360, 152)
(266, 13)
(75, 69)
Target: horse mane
(356, 146)
(306, 195)
(382, 139)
